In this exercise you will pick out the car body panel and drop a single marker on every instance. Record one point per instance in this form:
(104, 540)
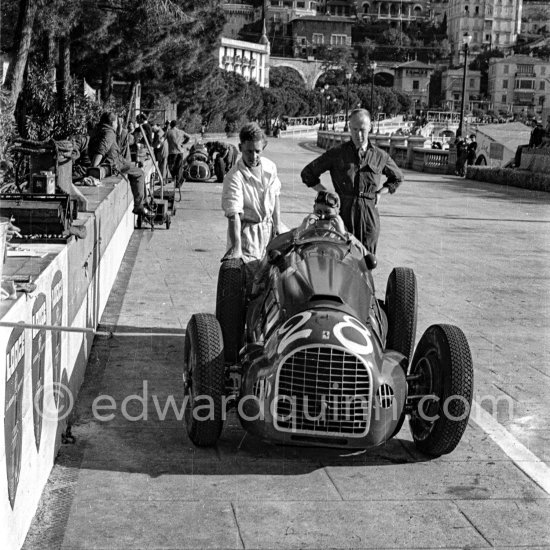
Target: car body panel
(315, 371)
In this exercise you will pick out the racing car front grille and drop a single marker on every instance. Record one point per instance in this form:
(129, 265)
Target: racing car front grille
(323, 389)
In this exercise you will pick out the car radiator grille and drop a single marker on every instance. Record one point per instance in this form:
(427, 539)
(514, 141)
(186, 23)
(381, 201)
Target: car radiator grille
(323, 390)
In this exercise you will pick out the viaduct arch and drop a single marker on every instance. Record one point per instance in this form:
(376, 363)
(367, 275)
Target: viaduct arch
(311, 69)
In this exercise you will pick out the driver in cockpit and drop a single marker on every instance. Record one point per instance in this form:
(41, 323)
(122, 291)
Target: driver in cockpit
(325, 216)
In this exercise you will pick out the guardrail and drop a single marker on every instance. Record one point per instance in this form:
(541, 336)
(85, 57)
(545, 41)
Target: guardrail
(412, 152)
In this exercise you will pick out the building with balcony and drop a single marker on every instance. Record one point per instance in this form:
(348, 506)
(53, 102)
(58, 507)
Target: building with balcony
(395, 12)
(493, 24)
(451, 89)
(278, 13)
(248, 59)
(413, 79)
(519, 84)
(308, 33)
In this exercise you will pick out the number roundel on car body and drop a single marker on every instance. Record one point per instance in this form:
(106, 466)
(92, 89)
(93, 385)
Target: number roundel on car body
(290, 331)
(361, 342)
(350, 332)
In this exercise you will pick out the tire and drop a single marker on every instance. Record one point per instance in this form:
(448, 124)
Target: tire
(401, 310)
(139, 221)
(230, 306)
(204, 375)
(442, 366)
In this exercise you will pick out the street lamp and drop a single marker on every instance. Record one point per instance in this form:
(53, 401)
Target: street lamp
(379, 112)
(333, 114)
(466, 39)
(348, 78)
(372, 68)
(322, 101)
(325, 88)
(327, 111)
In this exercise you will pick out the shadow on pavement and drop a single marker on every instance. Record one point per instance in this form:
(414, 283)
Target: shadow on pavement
(129, 418)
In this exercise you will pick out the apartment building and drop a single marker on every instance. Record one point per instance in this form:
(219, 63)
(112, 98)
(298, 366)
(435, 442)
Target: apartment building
(519, 84)
(493, 24)
(238, 13)
(451, 89)
(535, 18)
(310, 32)
(413, 79)
(393, 11)
(248, 59)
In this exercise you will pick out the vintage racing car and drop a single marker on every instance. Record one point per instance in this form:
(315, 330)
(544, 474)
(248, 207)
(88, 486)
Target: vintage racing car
(198, 164)
(312, 357)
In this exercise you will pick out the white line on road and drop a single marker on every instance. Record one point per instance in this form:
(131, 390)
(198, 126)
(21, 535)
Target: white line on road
(522, 457)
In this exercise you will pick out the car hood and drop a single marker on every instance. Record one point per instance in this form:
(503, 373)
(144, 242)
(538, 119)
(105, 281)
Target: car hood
(326, 274)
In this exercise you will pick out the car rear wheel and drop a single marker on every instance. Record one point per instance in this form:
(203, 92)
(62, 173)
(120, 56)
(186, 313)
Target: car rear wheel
(230, 306)
(401, 309)
(204, 379)
(441, 371)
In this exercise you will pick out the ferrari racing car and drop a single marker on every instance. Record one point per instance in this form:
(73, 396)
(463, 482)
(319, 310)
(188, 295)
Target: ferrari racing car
(308, 355)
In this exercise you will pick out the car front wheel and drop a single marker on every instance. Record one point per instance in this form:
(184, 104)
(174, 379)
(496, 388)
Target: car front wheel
(204, 379)
(441, 379)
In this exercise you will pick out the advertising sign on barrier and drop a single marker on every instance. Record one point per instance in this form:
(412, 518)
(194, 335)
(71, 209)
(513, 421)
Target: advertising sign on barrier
(13, 412)
(38, 364)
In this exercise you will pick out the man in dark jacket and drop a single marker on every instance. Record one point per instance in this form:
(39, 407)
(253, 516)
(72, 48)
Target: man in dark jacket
(225, 159)
(103, 148)
(356, 168)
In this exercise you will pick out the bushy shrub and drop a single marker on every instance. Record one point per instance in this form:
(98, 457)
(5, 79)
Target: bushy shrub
(45, 120)
(509, 176)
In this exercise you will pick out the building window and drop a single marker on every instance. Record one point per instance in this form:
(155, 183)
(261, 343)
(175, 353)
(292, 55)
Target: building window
(416, 85)
(487, 38)
(477, 10)
(541, 85)
(472, 83)
(338, 39)
(543, 70)
(506, 69)
(301, 40)
(318, 38)
(503, 99)
(301, 5)
(505, 84)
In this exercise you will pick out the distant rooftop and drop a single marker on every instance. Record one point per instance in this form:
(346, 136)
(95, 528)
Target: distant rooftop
(325, 18)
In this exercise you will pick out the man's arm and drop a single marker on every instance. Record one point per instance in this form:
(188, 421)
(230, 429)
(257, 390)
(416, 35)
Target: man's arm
(234, 233)
(394, 176)
(232, 205)
(277, 216)
(311, 173)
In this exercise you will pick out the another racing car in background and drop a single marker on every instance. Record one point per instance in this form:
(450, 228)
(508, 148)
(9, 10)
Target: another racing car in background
(198, 164)
(308, 355)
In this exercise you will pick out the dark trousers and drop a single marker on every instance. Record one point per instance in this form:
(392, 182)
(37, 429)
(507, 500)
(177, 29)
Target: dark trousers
(361, 217)
(175, 165)
(136, 177)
